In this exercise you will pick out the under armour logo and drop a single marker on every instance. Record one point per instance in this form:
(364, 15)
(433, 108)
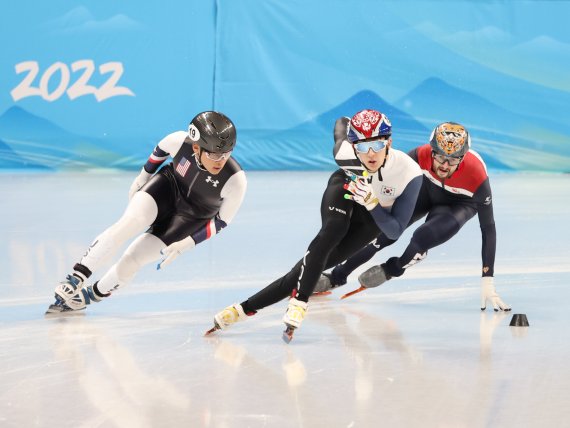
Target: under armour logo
(214, 182)
(487, 200)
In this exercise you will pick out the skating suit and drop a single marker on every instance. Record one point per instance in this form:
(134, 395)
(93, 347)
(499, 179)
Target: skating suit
(346, 225)
(466, 193)
(191, 201)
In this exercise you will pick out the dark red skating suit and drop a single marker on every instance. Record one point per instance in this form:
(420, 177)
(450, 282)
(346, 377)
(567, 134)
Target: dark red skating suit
(469, 182)
(469, 186)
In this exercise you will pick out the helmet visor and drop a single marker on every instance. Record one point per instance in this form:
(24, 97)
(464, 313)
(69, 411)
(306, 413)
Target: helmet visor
(218, 156)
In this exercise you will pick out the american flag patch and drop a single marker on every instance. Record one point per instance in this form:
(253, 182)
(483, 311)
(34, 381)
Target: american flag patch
(183, 166)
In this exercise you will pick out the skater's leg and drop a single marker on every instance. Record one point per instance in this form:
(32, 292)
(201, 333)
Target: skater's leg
(340, 273)
(143, 250)
(140, 213)
(442, 223)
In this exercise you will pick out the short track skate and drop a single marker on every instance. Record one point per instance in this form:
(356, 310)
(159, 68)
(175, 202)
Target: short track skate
(213, 329)
(60, 308)
(288, 333)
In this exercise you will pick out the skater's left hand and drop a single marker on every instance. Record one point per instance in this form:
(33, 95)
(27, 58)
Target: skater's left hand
(174, 250)
(489, 294)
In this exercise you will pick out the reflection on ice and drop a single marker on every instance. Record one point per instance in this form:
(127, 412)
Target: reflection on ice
(415, 352)
(110, 379)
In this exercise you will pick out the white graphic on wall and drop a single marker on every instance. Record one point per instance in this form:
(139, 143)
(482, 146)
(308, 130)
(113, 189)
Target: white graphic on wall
(78, 88)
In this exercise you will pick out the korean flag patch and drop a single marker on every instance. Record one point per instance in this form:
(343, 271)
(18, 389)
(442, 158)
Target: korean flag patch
(388, 191)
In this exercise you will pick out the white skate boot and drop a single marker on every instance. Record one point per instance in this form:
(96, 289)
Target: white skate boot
(294, 316)
(68, 288)
(227, 317)
(77, 302)
(65, 291)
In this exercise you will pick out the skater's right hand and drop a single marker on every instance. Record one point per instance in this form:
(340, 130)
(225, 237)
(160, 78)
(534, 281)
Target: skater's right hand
(489, 294)
(174, 250)
(362, 192)
(139, 182)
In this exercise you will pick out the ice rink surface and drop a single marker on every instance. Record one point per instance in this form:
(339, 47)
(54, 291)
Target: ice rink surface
(416, 352)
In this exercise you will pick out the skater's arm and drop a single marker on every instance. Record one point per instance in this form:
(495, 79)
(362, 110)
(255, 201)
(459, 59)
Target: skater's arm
(484, 201)
(168, 146)
(393, 223)
(340, 130)
(488, 231)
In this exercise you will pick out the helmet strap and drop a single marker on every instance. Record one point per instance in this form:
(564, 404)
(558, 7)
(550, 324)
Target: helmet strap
(385, 157)
(383, 163)
(198, 163)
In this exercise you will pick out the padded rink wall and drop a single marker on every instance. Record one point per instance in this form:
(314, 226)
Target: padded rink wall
(89, 85)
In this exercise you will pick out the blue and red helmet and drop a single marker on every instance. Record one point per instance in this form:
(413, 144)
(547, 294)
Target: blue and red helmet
(368, 124)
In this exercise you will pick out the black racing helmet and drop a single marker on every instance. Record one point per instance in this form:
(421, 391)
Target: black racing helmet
(450, 139)
(213, 132)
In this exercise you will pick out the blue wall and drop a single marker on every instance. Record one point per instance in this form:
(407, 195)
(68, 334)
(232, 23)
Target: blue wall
(97, 84)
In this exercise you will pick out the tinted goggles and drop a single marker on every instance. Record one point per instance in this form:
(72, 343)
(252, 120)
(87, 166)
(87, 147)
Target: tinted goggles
(375, 145)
